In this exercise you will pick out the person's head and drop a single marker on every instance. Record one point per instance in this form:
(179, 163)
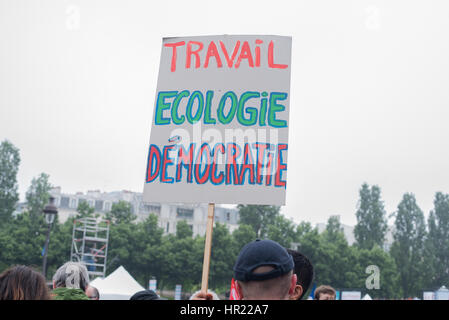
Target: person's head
(304, 272)
(264, 271)
(92, 293)
(23, 283)
(214, 296)
(145, 295)
(71, 275)
(325, 293)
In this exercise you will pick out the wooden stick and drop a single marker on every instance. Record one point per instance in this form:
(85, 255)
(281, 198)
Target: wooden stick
(207, 247)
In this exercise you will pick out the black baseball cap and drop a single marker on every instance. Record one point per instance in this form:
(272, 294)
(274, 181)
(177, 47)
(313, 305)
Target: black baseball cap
(146, 295)
(262, 253)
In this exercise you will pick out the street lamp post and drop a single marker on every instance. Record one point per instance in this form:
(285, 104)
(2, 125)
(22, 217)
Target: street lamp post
(50, 212)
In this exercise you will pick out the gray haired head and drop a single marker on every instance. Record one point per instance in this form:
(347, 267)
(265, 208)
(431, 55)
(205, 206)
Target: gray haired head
(71, 275)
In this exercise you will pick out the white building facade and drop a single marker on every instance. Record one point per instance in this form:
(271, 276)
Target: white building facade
(168, 213)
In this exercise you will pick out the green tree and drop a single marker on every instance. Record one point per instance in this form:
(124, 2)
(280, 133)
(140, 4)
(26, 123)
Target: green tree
(334, 257)
(183, 230)
(84, 210)
(121, 212)
(282, 231)
(389, 277)
(333, 229)
(151, 231)
(38, 195)
(21, 242)
(59, 246)
(150, 259)
(222, 258)
(408, 247)
(309, 243)
(342, 266)
(124, 247)
(182, 261)
(242, 235)
(302, 229)
(9, 166)
(259, 217)
(438, 242)
(371, 218)
(147, 238)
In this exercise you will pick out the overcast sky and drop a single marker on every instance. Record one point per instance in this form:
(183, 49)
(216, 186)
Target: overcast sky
(369, 92)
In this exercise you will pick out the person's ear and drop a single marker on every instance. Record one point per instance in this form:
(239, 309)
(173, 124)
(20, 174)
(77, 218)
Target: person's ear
(239, 289)
(297, 292)
(293, 284)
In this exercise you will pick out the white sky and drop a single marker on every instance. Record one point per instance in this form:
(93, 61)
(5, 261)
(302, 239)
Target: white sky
(369, 92)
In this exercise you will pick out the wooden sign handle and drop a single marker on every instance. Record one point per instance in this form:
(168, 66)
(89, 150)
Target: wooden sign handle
(208, 247)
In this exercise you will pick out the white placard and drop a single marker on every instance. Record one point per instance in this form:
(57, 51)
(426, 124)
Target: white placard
(351, 295)
(220, 122)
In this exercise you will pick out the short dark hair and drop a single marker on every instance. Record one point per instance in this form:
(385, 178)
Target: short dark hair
(303, 269)
(23, 283)
(145, 295)
(324, 290)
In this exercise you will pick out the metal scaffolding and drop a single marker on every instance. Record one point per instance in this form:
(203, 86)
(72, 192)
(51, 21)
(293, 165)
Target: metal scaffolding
(90, 239)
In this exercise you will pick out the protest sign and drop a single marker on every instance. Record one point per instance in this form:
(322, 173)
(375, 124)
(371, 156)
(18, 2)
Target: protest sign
(351, 295)
(152, 284)
(178, 292)
(220, 122)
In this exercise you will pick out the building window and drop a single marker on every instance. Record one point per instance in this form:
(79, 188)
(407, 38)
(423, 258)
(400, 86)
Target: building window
(98, 205)
(80, 201)
(91, 203)
(184, 213)
(148, 208)
(73, 203)
(107, 206)
(168, 227)
(228, 216)
(64, 202)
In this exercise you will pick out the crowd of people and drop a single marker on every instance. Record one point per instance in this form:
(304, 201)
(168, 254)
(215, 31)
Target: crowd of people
(70, 282)
(264, 270)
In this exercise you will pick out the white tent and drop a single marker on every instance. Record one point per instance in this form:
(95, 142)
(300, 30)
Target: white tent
(367, 297)
(119, 285)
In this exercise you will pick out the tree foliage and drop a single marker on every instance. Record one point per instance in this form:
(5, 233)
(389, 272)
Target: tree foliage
(38, 195)
(371, 218)
(84, 210)
(9, 166)
(408, 247)
(334, 230)
(437, 245)
(259, 217)
(121, 212)
(415, 261)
